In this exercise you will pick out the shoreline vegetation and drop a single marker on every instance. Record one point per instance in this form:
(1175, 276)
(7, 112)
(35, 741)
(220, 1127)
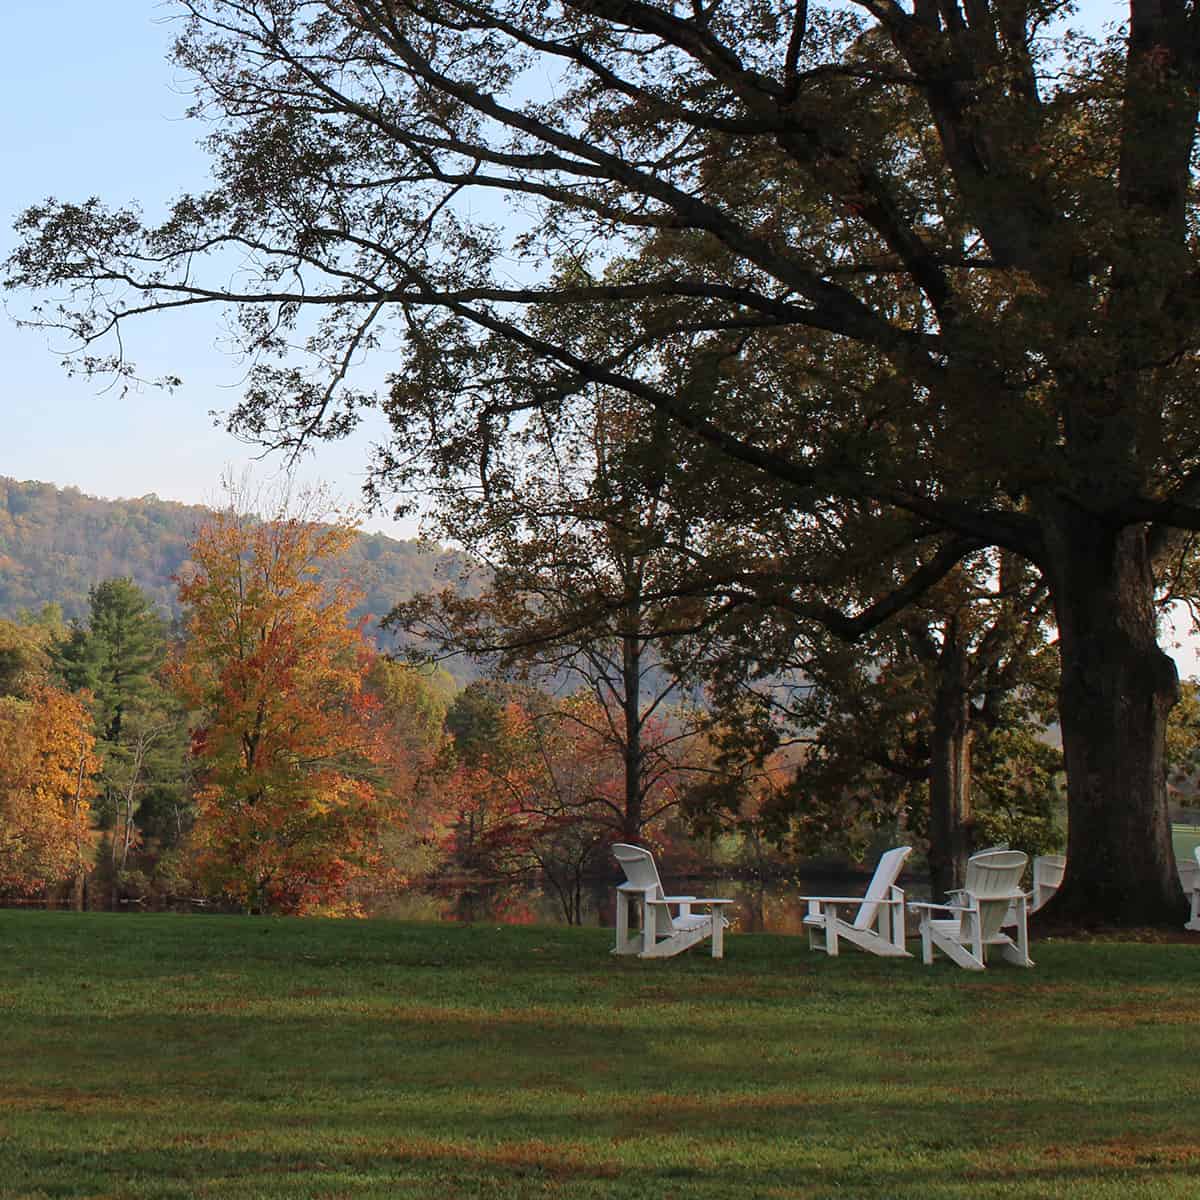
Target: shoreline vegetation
(778, 889)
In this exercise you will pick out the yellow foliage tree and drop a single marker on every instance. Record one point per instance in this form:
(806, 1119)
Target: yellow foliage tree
(289, 817)
(47, 769)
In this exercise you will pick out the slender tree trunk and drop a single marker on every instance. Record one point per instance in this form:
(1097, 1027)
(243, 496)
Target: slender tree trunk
(631, 669)
(78, 884)
(1117, 689)
(950, 773)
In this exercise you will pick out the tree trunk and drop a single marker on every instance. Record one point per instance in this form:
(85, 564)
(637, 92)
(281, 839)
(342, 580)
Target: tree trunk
(950, 772)
(1116, 691)
(631, 671)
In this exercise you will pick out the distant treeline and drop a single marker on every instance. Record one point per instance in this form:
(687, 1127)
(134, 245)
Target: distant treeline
(56, 543)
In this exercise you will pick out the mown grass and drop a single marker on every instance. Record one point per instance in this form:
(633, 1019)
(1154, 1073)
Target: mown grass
(173, 1056)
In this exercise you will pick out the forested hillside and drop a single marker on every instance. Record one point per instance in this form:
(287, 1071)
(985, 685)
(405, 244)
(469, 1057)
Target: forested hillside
(56, 543)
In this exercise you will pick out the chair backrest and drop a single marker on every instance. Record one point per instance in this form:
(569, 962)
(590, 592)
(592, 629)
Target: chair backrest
(887, 871)
(1048, 872)
(641, 874)
(994, 879)
(995, 874)
(638, 865)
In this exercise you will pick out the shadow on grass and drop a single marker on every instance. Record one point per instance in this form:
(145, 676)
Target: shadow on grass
(407, 1163)
(216, 1057)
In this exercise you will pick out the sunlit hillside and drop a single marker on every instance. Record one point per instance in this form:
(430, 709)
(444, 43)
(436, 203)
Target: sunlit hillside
(56, 543)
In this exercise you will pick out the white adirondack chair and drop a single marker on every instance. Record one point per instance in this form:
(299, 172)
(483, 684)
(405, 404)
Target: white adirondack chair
(1189, 876)
(1048, 872)
(660, 932)
(878, 923)
(975, 918)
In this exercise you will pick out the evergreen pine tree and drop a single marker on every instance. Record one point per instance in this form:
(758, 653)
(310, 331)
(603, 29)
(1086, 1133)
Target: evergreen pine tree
(116, 656)
(140, 733)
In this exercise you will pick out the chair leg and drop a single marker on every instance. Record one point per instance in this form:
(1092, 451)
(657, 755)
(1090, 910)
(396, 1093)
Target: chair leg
(1023, 935)
(815, 940)
(626, 944)
(894, 913)
(718, 935)
(961, 954)
(979, 951)
(649, 924)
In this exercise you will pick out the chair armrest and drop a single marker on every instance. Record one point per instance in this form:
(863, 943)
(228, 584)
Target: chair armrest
(689, 899)
(672, 899)
(953, 908)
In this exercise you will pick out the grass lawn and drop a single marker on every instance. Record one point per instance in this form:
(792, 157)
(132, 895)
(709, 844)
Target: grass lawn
(179, 1056)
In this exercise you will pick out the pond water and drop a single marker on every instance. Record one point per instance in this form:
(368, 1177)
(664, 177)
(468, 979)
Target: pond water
(759, 907)
(775, 906)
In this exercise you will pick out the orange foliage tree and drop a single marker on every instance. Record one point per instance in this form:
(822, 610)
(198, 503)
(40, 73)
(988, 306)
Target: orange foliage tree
(47, 769)
(489, 773)
(535, 792)
(408, 725)
(289, 816)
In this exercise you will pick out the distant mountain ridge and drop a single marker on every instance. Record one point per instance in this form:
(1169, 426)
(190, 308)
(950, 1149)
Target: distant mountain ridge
(56, 543)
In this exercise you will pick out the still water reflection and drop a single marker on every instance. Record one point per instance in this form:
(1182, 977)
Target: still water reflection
(759, 907)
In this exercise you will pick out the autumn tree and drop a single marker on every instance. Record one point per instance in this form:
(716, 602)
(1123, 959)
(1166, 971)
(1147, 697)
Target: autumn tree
(576, 586)
(407, 720)
(489, 769)
(535, 792)
(413, 701)
(288, 816)
(26, 650)
(47, 769)
(47, 764)
(935, 257)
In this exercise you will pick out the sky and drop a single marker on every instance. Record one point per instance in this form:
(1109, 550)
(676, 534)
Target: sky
(93, 107)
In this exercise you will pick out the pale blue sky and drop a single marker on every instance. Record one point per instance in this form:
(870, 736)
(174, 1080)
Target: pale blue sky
(93, 108)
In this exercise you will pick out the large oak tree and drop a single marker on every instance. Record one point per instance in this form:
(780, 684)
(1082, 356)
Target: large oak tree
(935, 256)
